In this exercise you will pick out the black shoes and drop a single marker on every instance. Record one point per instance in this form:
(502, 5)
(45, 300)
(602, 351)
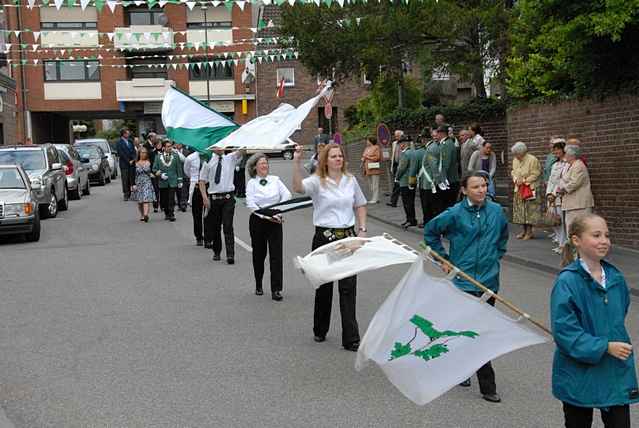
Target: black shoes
(155, 210)
(172, 219)
(353, 347)
(216, 257)
(408, 224)
(391, 205)
(465, 383)
(230, 261)
(259, 292)
(277, 296)
(319, 339)
(492, 398)
(199, 242)
(208, 245)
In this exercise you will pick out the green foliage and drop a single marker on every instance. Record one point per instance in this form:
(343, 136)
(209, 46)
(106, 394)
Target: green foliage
(400, 350)
(434, 351)
(564, 48)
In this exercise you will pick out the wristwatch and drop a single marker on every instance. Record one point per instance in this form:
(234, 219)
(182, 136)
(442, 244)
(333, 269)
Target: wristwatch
(363, 229)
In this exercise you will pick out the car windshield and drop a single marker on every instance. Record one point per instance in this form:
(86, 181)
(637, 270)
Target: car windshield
(90, 152)
(30, 160)
(11, 179)
(101, 144)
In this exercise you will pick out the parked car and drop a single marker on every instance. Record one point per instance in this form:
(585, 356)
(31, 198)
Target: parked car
(97, 161)
(106, 148)
(286, 151)
(18, 204)
(42, 164)
(77, 172)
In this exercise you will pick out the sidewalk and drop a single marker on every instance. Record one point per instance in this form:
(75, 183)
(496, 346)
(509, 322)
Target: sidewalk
(535, 253)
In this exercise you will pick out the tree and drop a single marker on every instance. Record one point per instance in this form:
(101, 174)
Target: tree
(565, 48)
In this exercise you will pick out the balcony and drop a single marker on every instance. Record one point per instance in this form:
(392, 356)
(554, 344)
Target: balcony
(197, 88)
(69, 39)
(72, 91)
(197, 36)
(143, 37)
(142, 89)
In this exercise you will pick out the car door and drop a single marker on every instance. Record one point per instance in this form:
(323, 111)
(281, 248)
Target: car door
(58, 178)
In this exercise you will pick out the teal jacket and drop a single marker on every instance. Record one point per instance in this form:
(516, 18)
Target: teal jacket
(450, 160)
(403, 169)
(174, 171)
(584, 318)
(477, 237)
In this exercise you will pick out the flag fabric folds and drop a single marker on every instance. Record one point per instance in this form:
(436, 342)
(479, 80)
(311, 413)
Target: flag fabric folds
(191, 123)
(350, 256)
(286, 206)
(429, 336)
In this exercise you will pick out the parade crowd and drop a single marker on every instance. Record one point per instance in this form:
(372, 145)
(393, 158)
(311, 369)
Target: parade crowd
(593, 366)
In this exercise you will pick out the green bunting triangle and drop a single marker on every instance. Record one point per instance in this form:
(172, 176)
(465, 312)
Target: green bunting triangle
(137, 36)
(70, 3)
(99, 4)
(261, 24)
(156, 36)
(151, 3)
(229, 5)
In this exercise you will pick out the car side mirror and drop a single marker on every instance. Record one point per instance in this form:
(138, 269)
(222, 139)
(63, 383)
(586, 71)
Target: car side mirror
(85, 160)
(36, 186)
(105, 157)
(56, 166)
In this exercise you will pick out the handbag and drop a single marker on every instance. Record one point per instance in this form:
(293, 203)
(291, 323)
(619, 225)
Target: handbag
(526, 193)
(373, 165)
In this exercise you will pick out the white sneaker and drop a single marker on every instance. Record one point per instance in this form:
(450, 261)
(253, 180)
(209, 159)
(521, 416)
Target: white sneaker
(372, 202)
(557, 250)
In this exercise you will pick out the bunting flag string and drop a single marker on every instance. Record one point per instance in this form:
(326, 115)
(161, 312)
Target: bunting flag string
(112, 4)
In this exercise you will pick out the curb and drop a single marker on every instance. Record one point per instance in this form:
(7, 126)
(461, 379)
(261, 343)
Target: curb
(553, 270)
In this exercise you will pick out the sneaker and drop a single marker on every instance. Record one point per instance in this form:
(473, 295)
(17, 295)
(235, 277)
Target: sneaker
(557, 250)
(372, 202)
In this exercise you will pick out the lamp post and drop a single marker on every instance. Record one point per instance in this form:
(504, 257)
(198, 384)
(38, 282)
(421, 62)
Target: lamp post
(206, 55)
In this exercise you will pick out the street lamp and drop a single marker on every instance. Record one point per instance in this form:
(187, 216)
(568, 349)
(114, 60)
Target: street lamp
(206, 55)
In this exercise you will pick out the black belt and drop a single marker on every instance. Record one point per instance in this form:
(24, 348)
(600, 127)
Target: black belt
(333, 233)
(225, 195)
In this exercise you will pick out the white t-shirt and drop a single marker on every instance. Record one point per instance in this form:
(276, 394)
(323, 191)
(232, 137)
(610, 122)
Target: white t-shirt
(207, 174)
(333, 203)
(259, 196)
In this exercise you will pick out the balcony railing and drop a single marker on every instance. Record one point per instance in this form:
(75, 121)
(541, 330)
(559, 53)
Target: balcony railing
(197, 36)
(152, 89)
(143, 37)
(68, 38)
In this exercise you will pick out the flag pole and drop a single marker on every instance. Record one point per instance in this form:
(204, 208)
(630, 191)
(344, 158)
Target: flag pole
(487, 290)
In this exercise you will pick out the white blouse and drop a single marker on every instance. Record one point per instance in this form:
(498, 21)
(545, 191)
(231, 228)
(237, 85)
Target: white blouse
(259, 196)
(333, 203)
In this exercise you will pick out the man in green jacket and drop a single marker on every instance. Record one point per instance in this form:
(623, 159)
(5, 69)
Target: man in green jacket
(416, 166)
(168, 168)
(450, 165)
(430, 180)
(402, 177)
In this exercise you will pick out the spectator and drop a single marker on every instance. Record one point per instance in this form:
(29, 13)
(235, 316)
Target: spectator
(553, 197)
(127, 157)
(396, 151)
(574, 187)
(525, 175)
(473, 142)
(485, 160)
(550, 157)
(319, 138)
(371, 162)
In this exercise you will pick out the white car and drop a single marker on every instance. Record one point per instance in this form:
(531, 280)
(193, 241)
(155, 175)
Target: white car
(106, 148)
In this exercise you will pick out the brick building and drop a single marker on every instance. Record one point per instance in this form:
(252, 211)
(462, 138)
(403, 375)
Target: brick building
(7, 93)
(77, 73)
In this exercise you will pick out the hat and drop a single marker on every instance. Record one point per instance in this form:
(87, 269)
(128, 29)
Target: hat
(442, 128)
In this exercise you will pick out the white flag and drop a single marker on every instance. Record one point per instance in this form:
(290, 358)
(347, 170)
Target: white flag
(350, 256)
(429, 336)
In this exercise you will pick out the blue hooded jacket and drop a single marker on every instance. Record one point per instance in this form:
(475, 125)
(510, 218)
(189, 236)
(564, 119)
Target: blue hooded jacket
(584, 318)
(477, 236)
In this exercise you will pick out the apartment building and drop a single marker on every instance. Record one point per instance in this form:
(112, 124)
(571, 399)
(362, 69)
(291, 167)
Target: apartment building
(118, 64)
(7, 92)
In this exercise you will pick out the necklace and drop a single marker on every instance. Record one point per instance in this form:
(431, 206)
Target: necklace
(166, 162)
(263, 181)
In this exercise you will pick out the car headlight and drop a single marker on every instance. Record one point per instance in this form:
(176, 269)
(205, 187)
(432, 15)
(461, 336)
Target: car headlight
(95, 166)
(18, 210)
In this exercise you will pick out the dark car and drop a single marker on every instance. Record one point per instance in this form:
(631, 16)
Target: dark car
(98, 164)
(108, 151)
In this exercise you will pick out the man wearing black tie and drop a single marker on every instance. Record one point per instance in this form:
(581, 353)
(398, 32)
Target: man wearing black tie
(220, 201)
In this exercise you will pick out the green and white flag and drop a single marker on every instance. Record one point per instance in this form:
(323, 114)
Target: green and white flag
(189, 122)
(429, 336)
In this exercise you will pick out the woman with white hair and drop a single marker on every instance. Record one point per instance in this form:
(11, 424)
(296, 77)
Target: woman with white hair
(266, 232)
(525, 174)
(574, 187)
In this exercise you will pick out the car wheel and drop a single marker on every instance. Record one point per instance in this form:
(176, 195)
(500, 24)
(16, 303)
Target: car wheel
(102, 180)
(108, 177)
(114, 174)
(50, 210)
(288, 155)
(63, 204)
(87, 188)
(76, 194)
(34, 235)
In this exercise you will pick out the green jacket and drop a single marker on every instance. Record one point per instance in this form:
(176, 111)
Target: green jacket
(403, 169)
(450, 160)
(416, 160)
(173, 170)
(430, 163)
(584, 318)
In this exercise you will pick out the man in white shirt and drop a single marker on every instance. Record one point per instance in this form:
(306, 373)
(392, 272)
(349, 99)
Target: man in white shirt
(192, 166)
(220, 200)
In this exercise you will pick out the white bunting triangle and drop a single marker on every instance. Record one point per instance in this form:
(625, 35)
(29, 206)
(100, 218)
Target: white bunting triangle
(216, 3)
(266, 2)
(174, 66)
(260, 59)
(35, 62)
(35, 47)
(197, 45)
(110, 36)
(84, 3)
(17, 33)
(99, 56)
(111, 4)
(190, 4)
(138, 2)
(62, 51)
(36, 36)
(58, 3)
(7, 46)
(163, 2)
(30, 4)
(240, 4)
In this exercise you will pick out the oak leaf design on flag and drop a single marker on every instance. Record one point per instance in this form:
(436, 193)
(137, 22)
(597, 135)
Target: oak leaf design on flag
(430, 350)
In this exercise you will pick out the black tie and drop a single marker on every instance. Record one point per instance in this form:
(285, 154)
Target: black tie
(218, 169)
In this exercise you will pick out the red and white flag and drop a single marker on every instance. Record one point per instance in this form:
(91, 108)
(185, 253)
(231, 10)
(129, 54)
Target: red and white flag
(280, 89)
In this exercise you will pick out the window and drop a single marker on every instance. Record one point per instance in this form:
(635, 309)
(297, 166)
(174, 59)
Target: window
(1, 134)
(217, 72)
(52, 155)
(146, 68)
(209, 24)
(440, 73)
(288, 74)
(146, 17)
(70, 26)
(71, 71)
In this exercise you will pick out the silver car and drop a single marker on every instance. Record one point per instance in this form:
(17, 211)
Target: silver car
(106, 148)
(42, 163)
(18, 206)
(76, 169)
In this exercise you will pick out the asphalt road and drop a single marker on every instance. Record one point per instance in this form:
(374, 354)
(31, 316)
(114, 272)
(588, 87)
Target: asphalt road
(110, 322)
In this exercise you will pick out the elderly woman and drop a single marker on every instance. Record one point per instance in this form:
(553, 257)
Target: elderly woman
(266, 232)
(525, 175)
(371, 165)
(553, 197)
(574, 187)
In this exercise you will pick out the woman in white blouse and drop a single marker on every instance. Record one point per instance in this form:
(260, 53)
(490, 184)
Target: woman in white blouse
(337, 202)
(266, 232)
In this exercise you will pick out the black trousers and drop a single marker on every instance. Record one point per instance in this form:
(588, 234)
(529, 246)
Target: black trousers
(581, 417)
(408, 201)
(221, 212)
(451, 195)
(432, 203)
(183, 193)
(347, 288)
(486, 374)
(239, 181)
(395, 192)
(266, 235)
(167, 201)
(199, 225)
(127, 176)
(156, 188)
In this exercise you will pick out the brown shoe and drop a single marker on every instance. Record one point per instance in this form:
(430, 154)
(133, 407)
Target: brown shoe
(521, 235)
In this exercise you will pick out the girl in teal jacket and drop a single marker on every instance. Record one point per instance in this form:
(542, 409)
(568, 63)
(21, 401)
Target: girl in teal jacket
(594, 364)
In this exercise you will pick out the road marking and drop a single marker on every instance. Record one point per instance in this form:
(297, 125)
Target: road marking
(243, 244)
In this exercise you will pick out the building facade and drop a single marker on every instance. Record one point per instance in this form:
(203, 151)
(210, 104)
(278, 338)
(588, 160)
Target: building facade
(7, 92)
(74, 64)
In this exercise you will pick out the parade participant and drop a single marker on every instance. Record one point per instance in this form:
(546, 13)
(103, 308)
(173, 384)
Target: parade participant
(593, 366)
(142, 190)
(406, 191)
(525, 174)
(126, 159)
(239, 179)
(430, 179)
(182, 194)
(450, 166)
(192, 167)
(157, 151)
(477, 231)
(337, 202)
(219, 199)
(416, 166)
(266, 232)
(396, 151)
(371, 166)
(168, 169)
